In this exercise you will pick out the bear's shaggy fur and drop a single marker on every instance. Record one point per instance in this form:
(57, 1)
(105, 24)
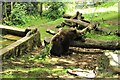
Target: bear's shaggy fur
(61, 41)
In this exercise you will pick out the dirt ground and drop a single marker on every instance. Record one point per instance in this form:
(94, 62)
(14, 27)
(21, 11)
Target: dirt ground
(84, 61)
(77, 59)
(87, 61)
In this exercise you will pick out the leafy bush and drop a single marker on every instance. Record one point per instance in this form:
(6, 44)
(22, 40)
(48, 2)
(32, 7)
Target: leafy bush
(106, 4)
(31, 8)
(55, 10)
(45, 52)
(17, 15)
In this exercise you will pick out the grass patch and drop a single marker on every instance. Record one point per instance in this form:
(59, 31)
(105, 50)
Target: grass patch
(106, 4)
(99, 16)
(108, 26)
(93, 35)
(20, 71)
(32, 21)
(55, 22)
(43, 33)
(43, 23)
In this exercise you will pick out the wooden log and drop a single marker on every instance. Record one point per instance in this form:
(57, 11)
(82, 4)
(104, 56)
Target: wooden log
(50, 32)
(68, 24)
(83, 30)
(78, 22)
(83, 23)
(67, 16)
(86, 50)
(117, 32)
(100, 44)
(65, 38)
(77, 16)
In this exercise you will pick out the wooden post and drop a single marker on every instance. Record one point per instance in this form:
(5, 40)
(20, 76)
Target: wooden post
(1, 6)
(5, 10)
(40, 8)
(11, 8)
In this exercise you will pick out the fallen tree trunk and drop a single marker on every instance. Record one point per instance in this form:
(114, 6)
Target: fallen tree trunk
(83, 24)
(117, 32)
(67, 16)
(80, 22)
(65, 38)
(77, 16)
(86, 50)
(68, 24)
(51, 32)
(100, 44)
(93, 26)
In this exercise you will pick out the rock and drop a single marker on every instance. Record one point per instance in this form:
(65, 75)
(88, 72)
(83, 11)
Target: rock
(114, 60)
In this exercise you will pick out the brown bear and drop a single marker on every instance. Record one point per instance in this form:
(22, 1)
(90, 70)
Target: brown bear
(61, 41)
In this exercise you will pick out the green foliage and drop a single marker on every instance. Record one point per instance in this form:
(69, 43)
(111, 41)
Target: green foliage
(34, 20)
(31, 8)
(106, 4)
(43, 33)
(55, 10)
(105, 16)
(45, 52)
(100, 15)
(96, 36)
(17, 15)
(20, 11)
(70, 7)
(109, 26)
